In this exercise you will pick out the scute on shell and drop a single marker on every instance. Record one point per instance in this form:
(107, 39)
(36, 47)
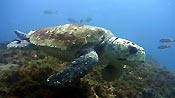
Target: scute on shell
(68, 36)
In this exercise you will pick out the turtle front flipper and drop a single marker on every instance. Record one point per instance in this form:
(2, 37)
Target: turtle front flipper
(77, 69)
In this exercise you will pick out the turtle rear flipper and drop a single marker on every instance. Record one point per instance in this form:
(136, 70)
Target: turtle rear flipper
(77, 69)
(23, 42)
(18, 44)
(21, 35)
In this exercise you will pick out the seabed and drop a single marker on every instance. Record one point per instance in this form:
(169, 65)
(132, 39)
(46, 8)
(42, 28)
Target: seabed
(23, 73)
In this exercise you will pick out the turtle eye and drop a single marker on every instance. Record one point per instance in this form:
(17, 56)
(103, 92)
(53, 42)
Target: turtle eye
(132, 50)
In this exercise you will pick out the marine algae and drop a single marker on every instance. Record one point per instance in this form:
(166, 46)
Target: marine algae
(149, 80)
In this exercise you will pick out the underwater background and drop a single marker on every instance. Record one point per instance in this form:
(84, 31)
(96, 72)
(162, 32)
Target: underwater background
(142, 21)
(23, 72)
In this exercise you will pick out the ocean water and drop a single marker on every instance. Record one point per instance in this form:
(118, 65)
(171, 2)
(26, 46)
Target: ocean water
(141, 21)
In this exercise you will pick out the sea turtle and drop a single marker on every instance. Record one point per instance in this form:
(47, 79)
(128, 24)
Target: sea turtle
(85, 46)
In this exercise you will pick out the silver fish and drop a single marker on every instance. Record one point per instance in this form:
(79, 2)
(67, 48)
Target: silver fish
(50, 12)
(166, 40)
(164, 46)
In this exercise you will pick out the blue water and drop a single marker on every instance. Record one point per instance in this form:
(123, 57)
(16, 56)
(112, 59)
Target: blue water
(141, 21)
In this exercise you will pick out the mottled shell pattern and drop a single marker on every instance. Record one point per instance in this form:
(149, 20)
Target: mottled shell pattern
(69, 36)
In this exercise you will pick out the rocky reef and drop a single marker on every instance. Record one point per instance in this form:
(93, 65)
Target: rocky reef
(23, 73)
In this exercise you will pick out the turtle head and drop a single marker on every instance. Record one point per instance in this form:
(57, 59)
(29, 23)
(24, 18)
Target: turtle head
(126, 51)
(118, 54)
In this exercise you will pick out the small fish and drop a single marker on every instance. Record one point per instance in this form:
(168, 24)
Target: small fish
(88, 19)
(72, 20)
(81, 21)
(164, 46)
(50, 12)
(166, 40)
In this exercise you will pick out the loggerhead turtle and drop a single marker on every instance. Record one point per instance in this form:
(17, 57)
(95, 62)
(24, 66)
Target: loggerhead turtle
(85, 46)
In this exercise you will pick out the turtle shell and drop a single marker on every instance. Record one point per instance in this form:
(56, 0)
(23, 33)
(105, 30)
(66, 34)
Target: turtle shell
(68, 37)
